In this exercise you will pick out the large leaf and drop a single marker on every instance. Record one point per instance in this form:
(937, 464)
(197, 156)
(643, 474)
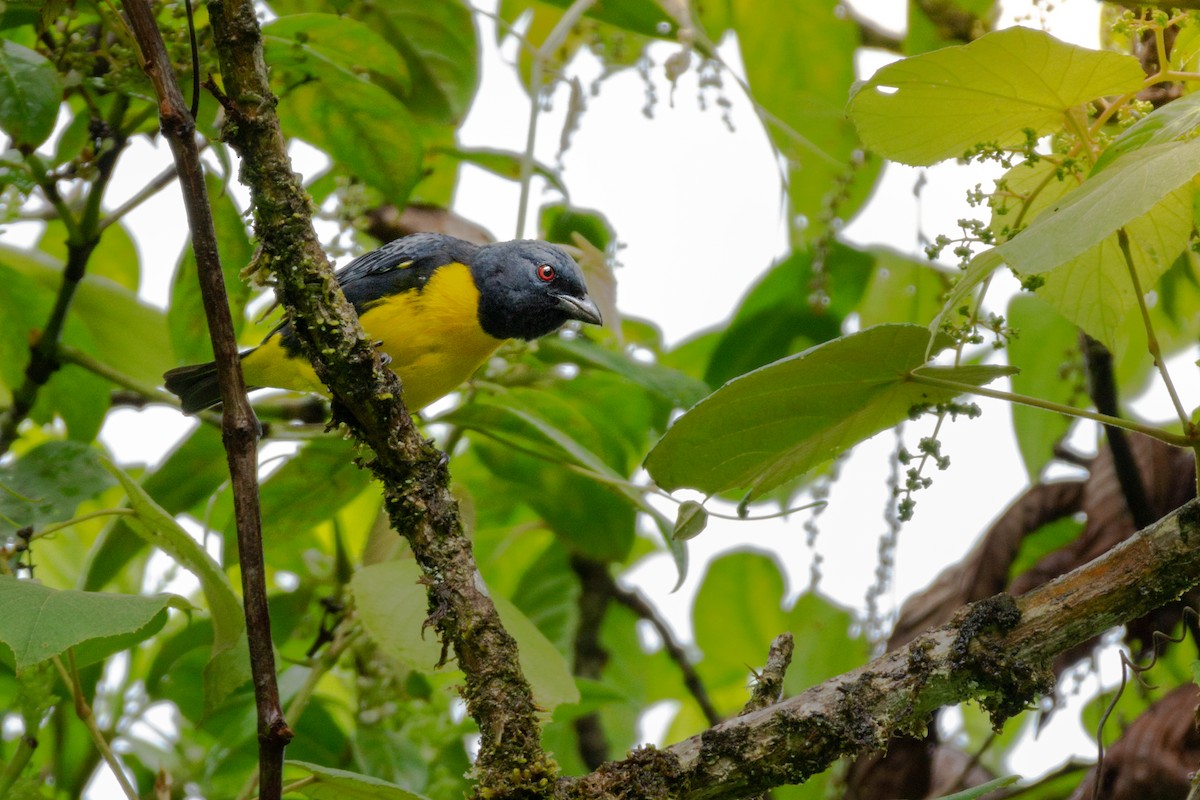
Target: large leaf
(1072, 241)
(38, 623)
(1120, 194)
(46, 484)
(992, 91)
(776, 423)
(326, 45)
(1072, 238)
(342, 118)
(801, 95)
(393, 606)
(132, 347)
(440, 44)
(30, 93)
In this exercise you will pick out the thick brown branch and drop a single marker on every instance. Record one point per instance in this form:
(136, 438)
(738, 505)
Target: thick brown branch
(413, 472)
(239, 428)
(997, 650)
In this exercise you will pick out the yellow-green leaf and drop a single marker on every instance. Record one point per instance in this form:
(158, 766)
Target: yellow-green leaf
(942, 104)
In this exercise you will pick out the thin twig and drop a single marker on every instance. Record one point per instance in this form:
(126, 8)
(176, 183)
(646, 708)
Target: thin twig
(239, 428)
(540, 56)
(84, 712)
(633, 600)
(159, 182)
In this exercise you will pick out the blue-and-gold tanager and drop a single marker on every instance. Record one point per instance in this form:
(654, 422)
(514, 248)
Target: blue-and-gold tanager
(436, 305)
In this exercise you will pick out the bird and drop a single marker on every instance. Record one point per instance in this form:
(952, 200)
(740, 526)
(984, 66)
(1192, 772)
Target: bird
(437, 306)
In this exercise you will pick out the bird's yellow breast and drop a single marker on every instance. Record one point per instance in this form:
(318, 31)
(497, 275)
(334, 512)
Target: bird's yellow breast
(432, 337)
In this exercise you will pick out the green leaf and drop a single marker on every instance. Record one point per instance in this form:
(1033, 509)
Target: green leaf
(1174, 121)
(635, 16)
(342, 118)
(393, 606)
(440, 44)
(690, 522)
(38, 623)
(30, 93)
(324, 45)
(305, 492)
(558, 221)
(1120, 194)
(738, 612)
(24, 307)
(228, 667)
(115, 257)
(1044, 344)
(801, 94)
(191, 474)
(548, 595)
(776, 423)
(338, 784)
(942, 104)
(1073, 243)
(588, 517)
(132, 347)
(671, 385)
(902, 289)
(48, 483)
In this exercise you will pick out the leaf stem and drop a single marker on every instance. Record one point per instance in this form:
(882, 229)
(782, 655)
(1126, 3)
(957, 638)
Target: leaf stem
(84, 712)
(70, 355)
(1153, 432)
(1151, 338)
(58, 526)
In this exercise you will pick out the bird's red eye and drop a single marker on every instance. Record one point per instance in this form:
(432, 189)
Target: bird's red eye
(546, 272)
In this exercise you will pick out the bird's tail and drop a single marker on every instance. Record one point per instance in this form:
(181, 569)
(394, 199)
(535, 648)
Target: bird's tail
(195, 385)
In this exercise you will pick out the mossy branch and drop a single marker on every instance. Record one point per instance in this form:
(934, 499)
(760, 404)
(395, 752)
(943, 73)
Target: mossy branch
(998, 651)
(413, 472)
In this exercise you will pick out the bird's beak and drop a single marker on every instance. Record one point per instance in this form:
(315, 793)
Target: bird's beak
(580, 308)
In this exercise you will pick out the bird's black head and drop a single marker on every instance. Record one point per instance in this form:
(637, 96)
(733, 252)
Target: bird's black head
(528, 289)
